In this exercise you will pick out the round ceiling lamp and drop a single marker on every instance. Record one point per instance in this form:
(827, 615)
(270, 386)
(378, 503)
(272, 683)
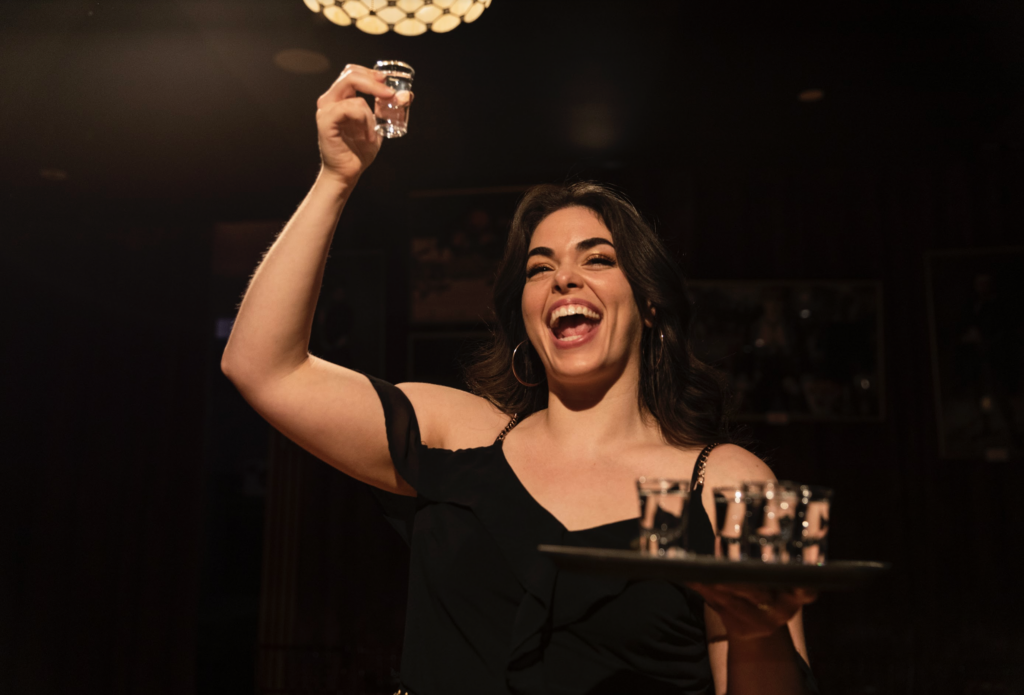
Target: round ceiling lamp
(405, 17)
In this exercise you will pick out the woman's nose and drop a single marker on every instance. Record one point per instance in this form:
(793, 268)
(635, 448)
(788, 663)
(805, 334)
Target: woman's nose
(566, 278)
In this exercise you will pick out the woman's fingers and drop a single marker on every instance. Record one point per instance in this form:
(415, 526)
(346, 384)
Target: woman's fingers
(752, 594)
(354, 79)
(341, 114)
(742, 619)
(804, 596)
(796, 596)
(750, 611)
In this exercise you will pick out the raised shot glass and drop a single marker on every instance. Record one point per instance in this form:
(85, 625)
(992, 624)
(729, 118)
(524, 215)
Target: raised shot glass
(393, 114)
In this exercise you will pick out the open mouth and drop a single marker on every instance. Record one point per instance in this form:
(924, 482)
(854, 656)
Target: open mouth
(573, 322)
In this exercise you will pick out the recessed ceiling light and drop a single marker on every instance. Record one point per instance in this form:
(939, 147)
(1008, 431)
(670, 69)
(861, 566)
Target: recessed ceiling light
(301, 62)
(811, 95)
(54, 174)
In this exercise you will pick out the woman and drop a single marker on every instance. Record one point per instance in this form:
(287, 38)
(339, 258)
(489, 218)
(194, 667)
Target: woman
(593, 317)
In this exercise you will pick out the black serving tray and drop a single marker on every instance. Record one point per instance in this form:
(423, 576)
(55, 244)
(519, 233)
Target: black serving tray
(834, 576)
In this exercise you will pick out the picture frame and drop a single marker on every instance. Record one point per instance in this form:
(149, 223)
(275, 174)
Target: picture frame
(791, 351)
(457, 238)
(976, 326)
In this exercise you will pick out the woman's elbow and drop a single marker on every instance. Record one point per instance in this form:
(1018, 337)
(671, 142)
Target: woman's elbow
(231, 366)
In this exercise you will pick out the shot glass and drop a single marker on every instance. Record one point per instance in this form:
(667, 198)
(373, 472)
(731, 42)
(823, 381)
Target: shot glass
(663, 516)
(770, 513)
(730, 510)
(809, 543)
(753, 519)
(393, 114)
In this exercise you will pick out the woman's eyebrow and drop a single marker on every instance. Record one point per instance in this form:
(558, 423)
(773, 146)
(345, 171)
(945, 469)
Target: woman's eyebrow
(581, 246)
(592, 242)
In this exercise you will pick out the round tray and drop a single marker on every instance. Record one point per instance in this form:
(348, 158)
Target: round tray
(837, 575)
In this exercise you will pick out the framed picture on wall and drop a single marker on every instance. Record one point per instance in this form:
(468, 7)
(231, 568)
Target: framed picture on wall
(794, 350)
(457, 239)
(976, 313)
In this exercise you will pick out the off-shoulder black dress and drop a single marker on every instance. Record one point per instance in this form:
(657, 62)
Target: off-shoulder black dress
(489, 615)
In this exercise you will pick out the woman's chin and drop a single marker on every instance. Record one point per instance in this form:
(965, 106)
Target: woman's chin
(580, 368)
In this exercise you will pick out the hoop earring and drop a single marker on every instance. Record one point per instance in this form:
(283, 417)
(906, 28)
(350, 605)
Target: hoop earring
(514, 367)
(655, 362)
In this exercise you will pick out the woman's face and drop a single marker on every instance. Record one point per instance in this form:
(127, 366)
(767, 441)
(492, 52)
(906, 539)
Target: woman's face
(578, 307)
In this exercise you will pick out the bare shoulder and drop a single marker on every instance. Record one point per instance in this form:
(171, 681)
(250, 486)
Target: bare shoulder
(729, 464)
(453, 419)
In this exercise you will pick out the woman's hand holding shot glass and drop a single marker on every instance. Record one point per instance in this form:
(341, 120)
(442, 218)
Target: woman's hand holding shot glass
(347, 127)
(267, 356)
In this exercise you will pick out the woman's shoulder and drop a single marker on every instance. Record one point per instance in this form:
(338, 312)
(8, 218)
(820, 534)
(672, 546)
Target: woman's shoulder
(729, 464)
(452, 418)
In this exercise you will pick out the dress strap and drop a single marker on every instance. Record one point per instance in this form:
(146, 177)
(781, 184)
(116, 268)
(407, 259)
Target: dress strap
(508, 428)
(700, 532)
(698, 470)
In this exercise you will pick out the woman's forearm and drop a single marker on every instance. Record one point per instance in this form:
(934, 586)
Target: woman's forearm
(765, 666)
(270, 337)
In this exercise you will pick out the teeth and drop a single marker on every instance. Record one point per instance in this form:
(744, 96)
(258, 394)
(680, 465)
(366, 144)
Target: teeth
(573, 310)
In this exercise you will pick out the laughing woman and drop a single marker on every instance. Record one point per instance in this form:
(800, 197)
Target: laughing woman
(588, 384)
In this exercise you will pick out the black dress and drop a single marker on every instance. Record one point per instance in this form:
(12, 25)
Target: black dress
(489, 615)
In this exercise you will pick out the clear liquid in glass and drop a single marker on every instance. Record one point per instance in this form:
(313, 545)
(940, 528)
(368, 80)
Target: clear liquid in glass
(730, 510)
(393, 114)
(809, 544)
(663, 522)
(752, 524)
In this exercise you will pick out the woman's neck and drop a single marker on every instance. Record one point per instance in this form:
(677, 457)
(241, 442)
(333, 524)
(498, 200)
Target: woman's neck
(598, 414)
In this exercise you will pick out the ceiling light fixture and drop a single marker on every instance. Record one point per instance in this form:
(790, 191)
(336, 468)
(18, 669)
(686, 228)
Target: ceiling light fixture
(405, 17)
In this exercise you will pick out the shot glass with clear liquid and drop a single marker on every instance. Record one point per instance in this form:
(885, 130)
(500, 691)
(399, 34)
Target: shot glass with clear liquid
(730, 511)
(809, 543)
(393, 114)
(771, 507)
(753, 520)
(663, 519)
(780, 512)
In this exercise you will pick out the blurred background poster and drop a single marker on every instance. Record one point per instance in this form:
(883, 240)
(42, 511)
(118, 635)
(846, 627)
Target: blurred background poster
(976, 302)
(457, 240)
(798, 350)
(457, 237)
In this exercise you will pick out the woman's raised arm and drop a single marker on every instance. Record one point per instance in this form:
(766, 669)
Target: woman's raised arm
(331, 411)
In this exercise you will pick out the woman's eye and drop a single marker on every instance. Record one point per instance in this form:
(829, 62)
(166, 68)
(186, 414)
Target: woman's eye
(530, 272)
(600, 260)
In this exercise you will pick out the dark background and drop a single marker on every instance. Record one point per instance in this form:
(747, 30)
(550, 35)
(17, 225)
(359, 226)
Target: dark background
(157, 537)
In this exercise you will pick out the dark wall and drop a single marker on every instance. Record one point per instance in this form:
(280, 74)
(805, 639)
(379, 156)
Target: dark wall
(101, 481)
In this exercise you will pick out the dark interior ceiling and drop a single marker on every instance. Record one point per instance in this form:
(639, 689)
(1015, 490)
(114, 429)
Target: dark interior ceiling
(177, 100)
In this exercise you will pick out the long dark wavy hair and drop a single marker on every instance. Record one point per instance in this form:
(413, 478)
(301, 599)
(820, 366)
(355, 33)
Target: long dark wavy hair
(685, 396)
